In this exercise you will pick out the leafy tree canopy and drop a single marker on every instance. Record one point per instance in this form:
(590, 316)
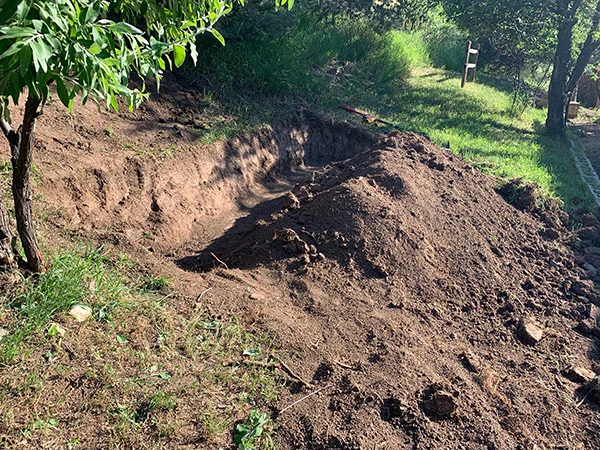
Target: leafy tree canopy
(518, 32)
(92, 47)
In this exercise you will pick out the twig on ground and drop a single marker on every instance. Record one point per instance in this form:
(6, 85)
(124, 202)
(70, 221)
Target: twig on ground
(202, 294)
(293, 374)
(219, 261)
(305, 397)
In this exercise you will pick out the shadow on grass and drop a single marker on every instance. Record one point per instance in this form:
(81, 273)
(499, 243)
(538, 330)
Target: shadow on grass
(479, 130)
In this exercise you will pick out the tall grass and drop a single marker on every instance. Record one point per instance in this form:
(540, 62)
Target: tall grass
(312, 55)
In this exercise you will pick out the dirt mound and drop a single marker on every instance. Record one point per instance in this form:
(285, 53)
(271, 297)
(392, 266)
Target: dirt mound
(434, 314)
(431, 312)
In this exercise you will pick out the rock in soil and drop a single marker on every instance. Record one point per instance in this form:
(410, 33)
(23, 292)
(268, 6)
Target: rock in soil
(530, 333)
(579, 374)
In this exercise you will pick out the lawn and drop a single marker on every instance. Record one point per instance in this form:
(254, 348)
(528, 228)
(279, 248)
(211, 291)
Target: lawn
(477, 123)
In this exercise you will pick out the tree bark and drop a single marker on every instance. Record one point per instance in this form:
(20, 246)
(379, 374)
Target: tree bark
(564, 81)
(558, 98)
(21, 158)
(7, 258)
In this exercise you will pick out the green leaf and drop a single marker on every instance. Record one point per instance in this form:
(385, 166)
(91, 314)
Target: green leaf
(194, 52)
(15, 48)
(42, 53)
(178, 54)
(16, 32)
(122, 339)
(165, 376)
(24, 60)
(209, 325)
(218, 35)
(94, 49)
(53, 330)
(93, 11)
(124, 28)
(251, 352)
(62, 92)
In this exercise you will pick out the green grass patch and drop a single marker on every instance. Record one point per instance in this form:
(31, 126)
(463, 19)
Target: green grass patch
(154, 370)
(479, 125)
(75, 277)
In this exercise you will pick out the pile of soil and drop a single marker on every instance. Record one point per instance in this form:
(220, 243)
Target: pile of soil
(427, 311)
(432, 313)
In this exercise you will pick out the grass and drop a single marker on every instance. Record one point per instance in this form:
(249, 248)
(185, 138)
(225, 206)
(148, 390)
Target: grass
(478, 125)
(391, 75)
(147, 369)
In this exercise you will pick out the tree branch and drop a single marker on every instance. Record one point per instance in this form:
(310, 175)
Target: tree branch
(8, 132)
(589, 47)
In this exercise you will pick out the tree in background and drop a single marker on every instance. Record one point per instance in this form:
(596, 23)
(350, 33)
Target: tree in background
(576, 19)
(88, 49)
(515, 35)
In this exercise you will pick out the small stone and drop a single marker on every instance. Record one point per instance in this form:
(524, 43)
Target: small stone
(396, 304)
(579, 374)
(302, 247)
(290, 201)
(313, 249)
(3, 332)
(305, 259)
(80, 313)
(472, 362)
(320, 257)
(256, 296)
(530, 333)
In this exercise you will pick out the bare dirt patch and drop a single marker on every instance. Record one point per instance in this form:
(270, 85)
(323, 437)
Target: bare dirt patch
(431, 312)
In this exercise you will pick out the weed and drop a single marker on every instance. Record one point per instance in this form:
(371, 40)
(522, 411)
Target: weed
(154, 284)
(75, 277)
(251, 430)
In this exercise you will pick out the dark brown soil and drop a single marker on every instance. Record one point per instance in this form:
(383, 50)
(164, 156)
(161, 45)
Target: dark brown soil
(395, 278)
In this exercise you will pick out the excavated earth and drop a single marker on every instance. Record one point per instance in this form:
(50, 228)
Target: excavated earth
(421, 309)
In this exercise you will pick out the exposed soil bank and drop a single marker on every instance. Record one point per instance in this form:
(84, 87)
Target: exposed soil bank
(433, 313)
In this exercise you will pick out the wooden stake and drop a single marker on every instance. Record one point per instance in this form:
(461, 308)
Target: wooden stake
(466, 67)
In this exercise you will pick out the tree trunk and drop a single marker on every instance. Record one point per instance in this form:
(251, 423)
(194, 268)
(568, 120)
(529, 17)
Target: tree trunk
(6, 235)
(564, 81)
(21, 158)
(558, 99)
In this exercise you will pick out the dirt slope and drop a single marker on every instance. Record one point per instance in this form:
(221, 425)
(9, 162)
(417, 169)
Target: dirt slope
(395, 278)
(420, 282)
